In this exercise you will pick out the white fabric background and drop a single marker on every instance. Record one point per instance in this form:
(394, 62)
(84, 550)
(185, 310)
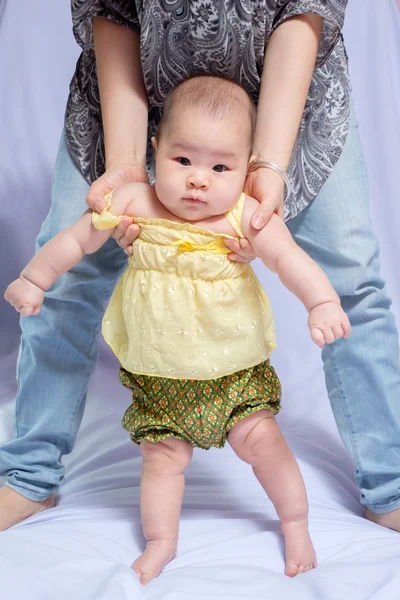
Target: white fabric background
(230, 544)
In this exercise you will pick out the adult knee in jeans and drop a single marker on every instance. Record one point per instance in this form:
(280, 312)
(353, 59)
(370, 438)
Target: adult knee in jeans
(170, 456)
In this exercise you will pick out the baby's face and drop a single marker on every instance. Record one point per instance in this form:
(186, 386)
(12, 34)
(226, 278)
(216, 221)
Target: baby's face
(201, 164)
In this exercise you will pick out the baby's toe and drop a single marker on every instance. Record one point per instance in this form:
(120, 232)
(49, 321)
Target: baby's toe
(291, 569)
(143, 575)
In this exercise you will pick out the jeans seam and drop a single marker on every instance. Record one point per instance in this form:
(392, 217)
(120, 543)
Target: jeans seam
(100, 304)
(83, 389)
(345, 413)
(17, 374)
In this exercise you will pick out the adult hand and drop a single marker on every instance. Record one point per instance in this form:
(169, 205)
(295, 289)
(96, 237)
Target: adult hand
(126, 232)
(267, 187)
(241, 251)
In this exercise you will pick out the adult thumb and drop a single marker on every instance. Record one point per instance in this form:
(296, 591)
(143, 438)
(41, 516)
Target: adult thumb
(261, 216)
(95, 198)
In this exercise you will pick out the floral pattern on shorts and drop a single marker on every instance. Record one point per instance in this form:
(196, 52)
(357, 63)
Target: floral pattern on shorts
(198, 411)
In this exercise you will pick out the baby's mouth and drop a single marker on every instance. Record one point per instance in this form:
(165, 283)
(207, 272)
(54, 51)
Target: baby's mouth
(193, 200)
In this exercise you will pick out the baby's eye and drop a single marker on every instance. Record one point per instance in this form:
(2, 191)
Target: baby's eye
(185, 162)
(219, 168)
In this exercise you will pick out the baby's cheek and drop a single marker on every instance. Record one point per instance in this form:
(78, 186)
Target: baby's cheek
(228, 198)
(168, 184)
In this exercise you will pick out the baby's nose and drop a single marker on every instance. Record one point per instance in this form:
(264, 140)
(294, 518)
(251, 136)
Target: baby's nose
(198, 181)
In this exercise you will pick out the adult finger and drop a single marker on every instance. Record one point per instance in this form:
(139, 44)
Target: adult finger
(247, 249)
(129, 237)
(95, 198)
(232, 245)
(262, 215)
(238, 258)
(241, 251)
(121, 229)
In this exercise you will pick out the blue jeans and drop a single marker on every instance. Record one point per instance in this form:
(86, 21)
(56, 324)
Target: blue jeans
(362, 373)
(59, 348)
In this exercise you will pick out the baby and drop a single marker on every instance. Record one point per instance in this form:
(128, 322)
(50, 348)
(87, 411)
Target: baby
(194, 331)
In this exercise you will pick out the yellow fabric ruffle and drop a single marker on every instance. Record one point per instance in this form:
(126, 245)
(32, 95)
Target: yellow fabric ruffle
(105, 219)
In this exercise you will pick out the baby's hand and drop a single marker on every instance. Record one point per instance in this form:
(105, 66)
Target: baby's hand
(328, 322)
(24, 296)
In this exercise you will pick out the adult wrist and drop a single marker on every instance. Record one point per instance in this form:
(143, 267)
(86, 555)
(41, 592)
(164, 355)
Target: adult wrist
(131, 160)
(256, 164)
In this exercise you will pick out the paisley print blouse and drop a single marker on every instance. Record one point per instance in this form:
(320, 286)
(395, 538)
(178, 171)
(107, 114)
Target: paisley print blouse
(182, 37)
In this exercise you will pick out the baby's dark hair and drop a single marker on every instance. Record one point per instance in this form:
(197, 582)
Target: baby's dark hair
(213, 95)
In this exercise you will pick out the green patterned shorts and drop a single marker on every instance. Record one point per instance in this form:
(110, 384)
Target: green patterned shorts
(200, 412)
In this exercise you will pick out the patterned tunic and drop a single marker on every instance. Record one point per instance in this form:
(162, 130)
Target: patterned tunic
(182, 37)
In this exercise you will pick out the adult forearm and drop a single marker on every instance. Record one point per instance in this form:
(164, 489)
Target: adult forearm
(288, 68)
(123, 96)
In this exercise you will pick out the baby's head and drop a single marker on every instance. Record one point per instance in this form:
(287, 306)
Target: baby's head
(203, 147)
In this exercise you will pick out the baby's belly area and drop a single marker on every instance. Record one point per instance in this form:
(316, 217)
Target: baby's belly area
(190, 329)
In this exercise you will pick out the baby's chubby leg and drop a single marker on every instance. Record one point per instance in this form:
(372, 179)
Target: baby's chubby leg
(161, 494)
(258, 441)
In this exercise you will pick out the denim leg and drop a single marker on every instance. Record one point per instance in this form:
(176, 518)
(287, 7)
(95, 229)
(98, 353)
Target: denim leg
(362, 373)
(58, 349)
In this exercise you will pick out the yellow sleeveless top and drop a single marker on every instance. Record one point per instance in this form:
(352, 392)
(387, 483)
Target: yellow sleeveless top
(182, 309)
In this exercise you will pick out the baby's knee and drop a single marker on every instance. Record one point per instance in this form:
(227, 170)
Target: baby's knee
(260, 443)
(169, 456)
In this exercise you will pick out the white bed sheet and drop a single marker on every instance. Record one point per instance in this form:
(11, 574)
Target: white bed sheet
(230, 542)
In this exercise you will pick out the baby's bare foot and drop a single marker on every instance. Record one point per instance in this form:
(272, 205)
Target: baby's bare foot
(158, 553)
(15, 508)
(299, 550)
(391, 520)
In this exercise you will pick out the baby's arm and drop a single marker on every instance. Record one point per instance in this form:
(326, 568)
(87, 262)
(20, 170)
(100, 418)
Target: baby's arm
(61, 253)
(300, 274)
